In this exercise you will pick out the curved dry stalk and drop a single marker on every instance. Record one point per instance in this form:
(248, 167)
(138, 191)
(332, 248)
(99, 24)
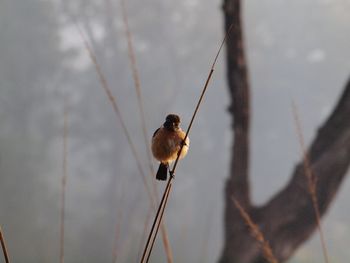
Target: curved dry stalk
(166, 243)
(116, 110)
(160, 221)
(312, 181)
(256, 233)
(163, 203)
(112, 100)
(137, 85)
(3, 246)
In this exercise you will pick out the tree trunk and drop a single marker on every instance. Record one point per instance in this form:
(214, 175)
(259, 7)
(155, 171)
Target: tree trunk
(288, 219)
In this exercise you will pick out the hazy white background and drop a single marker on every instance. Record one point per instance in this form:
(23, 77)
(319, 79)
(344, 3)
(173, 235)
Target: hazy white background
(296, 50)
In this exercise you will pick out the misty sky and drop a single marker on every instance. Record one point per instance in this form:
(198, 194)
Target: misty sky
(296, 50)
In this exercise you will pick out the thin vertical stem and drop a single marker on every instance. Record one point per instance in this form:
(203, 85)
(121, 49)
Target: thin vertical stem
(172, 172)
(256, 233)
(117, 111)
(155, 220)
(312, 181)
(160, 221)
(137, 83)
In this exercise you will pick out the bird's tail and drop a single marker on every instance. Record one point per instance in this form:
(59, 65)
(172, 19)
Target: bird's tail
(162, 172)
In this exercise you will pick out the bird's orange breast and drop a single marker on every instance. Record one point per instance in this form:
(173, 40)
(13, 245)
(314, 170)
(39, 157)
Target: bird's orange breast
(166, 144)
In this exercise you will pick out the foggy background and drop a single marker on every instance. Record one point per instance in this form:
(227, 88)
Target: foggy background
(295, 49)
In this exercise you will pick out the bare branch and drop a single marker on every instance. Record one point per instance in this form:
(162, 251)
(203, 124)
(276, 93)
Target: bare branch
(288, 219)
(237, 74)
(329, 160)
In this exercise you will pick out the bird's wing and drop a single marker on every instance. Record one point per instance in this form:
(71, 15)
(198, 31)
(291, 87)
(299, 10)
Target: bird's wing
(154, 134)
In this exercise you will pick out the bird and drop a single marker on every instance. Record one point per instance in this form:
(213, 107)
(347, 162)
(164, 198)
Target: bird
(167, 142)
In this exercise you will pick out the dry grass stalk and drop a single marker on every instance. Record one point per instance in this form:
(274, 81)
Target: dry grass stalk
(256, 233)
(312, 181)
(127, 134)
(166, 243)
(160, 222)
(166, 192)
(137, 85)
(3, 246)
(64, 181)
(151, 235)
(114, 104)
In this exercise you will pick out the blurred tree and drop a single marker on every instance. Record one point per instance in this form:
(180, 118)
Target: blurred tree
(288, 219)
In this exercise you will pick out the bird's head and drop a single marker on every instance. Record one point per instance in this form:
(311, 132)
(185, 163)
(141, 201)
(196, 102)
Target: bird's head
(172, 122)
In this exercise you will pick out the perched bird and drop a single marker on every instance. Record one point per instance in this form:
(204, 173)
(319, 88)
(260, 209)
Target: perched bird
(167, 142)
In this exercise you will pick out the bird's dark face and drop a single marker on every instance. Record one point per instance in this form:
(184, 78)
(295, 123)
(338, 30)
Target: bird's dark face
(172, 122)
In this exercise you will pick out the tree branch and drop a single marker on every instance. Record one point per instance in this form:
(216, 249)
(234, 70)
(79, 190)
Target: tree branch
(237, 184)
(290, 211)
(288, 219)
(240, 108)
